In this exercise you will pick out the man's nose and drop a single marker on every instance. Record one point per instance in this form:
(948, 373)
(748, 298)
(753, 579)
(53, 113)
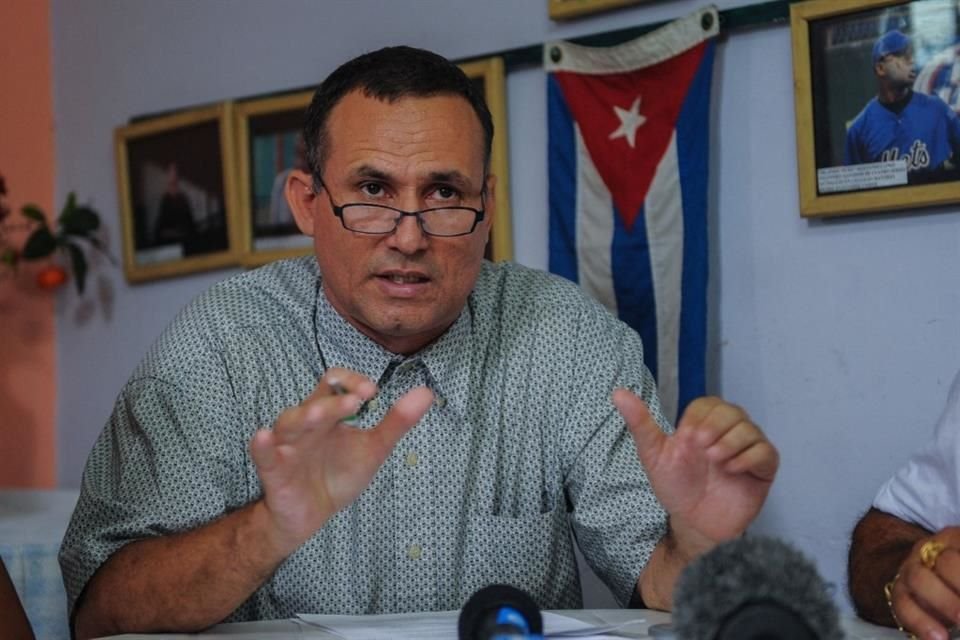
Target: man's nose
(408, 237)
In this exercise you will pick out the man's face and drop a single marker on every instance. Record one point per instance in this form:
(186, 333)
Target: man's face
(402, 289)
(898, 69)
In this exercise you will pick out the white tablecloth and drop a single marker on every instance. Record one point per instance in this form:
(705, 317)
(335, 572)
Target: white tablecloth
(854, 628)
(32, 524)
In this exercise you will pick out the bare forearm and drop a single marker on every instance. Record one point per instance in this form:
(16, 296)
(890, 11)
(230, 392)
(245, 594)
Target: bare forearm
(879, 546)
(183, 582)
(668, 560)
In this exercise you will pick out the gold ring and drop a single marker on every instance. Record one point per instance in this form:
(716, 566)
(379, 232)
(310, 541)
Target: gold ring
(930, 551)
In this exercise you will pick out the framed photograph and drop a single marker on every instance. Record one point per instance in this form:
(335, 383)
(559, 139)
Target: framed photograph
(877, 102)
(489, 76)
(270, 145)
(175, 183)
(566, 9)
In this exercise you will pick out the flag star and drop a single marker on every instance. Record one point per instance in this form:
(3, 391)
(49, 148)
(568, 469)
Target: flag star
(630, 121)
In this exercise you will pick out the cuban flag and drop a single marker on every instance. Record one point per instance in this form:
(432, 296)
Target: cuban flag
(628, 149)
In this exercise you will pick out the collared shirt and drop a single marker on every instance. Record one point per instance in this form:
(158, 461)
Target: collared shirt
(521, 452)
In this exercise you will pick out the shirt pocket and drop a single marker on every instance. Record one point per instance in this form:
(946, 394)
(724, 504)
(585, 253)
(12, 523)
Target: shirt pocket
(533, 553)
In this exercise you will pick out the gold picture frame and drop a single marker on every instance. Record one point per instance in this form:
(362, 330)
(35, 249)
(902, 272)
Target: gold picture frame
(269, 144)
(838, 47)
(490, 77)
(567, 9)
(176, 193)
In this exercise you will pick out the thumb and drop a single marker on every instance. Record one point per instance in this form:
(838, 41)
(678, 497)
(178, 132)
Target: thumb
(646, 433)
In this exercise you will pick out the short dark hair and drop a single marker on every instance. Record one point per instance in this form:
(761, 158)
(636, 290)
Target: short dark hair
(390, 74)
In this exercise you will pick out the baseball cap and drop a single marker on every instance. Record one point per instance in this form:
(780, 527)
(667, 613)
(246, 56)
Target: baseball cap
(891, 42)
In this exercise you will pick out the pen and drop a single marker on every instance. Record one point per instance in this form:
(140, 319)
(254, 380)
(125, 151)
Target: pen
(339, 390)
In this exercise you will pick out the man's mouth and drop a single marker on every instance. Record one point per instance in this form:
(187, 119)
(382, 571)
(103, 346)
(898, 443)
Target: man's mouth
(406, 278)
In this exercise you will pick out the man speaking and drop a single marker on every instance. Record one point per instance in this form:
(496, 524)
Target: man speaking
(393, 423)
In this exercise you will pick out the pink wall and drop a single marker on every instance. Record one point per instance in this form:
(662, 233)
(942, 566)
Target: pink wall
(27, 330)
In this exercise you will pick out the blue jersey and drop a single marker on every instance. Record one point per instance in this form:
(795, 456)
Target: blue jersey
(926, 132)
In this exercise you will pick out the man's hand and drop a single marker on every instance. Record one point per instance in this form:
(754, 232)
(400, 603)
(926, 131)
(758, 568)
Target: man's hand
(712, 476)
(312, 464)
(926, 597)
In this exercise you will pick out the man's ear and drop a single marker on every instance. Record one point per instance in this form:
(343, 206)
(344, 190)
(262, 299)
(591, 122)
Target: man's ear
(302, 199)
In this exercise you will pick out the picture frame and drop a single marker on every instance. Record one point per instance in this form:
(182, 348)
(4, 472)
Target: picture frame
(849, 58)
(490, 77)
(568, 9)
(269, 144)
(176, 193)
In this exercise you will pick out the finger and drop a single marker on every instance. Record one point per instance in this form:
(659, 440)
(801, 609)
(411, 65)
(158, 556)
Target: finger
(647, 434)
(403, 415)
(712, 420)
(734, 441)
(338, 381)
(263, 450)
(914, 619)
(697, 411)
(947, 569)
(923, 603)
(315, 414)
(761, 460)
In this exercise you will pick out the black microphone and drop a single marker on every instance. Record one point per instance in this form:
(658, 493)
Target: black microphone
(500, 612)
(753, 588)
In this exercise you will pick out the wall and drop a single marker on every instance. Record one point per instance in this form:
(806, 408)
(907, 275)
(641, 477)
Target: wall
(839, 337)
(27, 329)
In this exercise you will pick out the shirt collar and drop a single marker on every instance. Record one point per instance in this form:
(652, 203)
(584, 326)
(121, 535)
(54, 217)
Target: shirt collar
(447, 359)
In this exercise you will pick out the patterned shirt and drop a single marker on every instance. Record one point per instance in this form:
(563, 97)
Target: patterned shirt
(521, 452)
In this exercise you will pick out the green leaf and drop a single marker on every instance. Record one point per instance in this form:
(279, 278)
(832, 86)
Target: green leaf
(35, 213)
(79, 221)
(69, 206)
(40, 244)
(79, 262)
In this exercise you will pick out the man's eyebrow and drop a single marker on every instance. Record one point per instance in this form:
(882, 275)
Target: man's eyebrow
(454, 177)
(366, 171)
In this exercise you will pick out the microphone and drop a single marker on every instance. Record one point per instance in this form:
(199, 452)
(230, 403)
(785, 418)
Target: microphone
(500, 612)
(753, 588)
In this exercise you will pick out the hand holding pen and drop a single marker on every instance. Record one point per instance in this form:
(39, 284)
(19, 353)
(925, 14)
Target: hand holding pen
(312, 463)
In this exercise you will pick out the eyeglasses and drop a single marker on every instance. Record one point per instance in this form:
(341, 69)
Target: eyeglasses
(379, 219)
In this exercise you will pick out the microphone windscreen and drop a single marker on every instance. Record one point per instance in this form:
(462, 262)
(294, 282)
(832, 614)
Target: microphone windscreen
(482, 607)
(749, 582)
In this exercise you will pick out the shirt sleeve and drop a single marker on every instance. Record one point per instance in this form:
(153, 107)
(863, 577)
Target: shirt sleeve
(160, 466)
(616, 517)
(926, 491)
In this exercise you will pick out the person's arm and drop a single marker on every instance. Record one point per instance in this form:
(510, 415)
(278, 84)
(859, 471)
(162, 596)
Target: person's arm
(310, 464)
(712, 476)
(183, 582)
(879, 545)
(925, 599)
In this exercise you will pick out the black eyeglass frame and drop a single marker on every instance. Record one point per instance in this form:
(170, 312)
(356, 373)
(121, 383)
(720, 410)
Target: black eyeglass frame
(338, 210)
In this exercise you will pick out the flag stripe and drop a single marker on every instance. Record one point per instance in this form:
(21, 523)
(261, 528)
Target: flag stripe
(563, 183)
(693, 148)
(665, 228)
(594, 230)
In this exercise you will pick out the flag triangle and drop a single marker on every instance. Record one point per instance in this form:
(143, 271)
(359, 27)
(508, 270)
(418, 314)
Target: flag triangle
(627, 119)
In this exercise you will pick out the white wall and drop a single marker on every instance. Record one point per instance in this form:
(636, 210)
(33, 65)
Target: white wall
(839, 337)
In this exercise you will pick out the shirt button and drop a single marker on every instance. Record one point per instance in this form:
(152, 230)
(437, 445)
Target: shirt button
(440, 401)
(412, 459)
(373, 404)
(414, 552)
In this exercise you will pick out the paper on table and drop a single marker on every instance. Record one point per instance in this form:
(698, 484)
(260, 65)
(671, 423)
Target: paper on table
(441, 625)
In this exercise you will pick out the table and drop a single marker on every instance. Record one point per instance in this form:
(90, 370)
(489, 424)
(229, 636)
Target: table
(854, 628)
(32, 524)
